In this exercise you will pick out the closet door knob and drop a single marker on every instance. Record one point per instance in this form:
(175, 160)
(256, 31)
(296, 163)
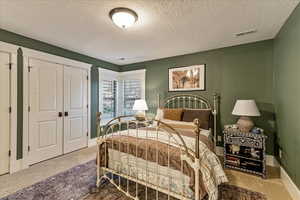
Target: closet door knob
(60, 114)
(66, 114)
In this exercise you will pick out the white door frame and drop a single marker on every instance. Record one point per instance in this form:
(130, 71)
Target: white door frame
(29, 53)
(13, 51)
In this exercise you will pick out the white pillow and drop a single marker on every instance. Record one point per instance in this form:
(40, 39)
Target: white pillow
(159, 114)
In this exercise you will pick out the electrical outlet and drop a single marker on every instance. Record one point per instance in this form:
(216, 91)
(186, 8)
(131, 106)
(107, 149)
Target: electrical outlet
(219, 138)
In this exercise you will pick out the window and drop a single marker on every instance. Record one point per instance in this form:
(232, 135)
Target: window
(109, 94)
(118, 91)
(132, 92)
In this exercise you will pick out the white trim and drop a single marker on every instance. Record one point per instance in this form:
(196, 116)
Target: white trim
(14, 113)
(19, 165)
(25, 110)
(7, 47)
(89, 95)
(270, 159)
(135, 75)
(92, 142)
(106, 73)
(56, 59)
(13, 51)
(29, 53)
(289, 184)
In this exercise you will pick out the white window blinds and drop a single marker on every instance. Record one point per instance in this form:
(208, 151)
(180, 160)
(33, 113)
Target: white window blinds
(132, 91)
(109, 95)
(118, 91)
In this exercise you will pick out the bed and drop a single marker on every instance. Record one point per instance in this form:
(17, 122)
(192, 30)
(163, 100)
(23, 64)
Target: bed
(173, 157)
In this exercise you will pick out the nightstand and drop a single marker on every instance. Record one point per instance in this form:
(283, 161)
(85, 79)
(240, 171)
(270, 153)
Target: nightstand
(245, 151)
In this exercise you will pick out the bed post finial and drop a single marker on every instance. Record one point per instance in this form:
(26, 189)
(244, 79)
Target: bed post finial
(197, 132)
(98, 122)
(215, 96)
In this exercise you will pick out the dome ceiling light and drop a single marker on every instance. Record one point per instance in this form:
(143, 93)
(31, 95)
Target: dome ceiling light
(123, 17)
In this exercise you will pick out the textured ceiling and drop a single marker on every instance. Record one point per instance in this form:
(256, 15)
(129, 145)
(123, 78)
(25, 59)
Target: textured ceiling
(165, 27)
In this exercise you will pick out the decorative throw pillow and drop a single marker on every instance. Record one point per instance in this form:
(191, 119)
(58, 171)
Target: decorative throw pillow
(204, 115)
(159, 114)
(173, 114)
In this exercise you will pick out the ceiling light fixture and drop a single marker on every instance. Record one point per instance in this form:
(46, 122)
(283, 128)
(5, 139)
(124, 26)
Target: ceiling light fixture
(123, 17)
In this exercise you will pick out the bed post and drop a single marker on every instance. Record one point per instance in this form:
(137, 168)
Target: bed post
(98, 150)
(197, 162)
(215, 112)
(98, 120)
(197, 132)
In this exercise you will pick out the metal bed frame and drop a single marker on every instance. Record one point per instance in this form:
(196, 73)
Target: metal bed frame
(192, 157)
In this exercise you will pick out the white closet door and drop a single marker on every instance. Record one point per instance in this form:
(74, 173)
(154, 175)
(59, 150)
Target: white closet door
(4, 111)
(75, 107)
(46, 102)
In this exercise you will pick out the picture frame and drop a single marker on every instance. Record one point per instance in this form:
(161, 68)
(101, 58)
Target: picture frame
(187, 78)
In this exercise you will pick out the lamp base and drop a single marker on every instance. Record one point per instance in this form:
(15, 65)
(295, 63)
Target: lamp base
(140, 116)
(245, 124)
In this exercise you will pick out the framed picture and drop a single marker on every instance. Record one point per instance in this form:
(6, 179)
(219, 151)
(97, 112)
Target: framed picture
(187, 78)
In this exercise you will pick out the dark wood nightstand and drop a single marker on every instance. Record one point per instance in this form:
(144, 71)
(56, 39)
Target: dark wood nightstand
(245, 151)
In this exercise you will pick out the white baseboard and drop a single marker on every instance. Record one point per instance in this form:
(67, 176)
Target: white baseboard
(289, 184)
(270, 160)
(92, 142)
(18, 165)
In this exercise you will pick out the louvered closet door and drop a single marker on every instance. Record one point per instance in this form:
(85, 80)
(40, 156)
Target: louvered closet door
(46, 101)
(75, 107)
(4, 111)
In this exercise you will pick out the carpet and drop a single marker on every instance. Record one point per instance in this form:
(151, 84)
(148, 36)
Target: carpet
(72, 184)
(107, 191)
(76, 183)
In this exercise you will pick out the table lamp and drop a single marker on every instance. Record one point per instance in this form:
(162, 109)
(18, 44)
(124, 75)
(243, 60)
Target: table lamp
(245, 109)
(140, 106)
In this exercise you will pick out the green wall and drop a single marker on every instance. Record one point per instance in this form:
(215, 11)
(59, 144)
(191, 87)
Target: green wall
(23, 41)
(244, 71)
(266, 71)
(287, 87)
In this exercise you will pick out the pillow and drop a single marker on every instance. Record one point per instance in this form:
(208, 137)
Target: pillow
(204, 115)
(159, 114)
(173, 114)
(179, 124)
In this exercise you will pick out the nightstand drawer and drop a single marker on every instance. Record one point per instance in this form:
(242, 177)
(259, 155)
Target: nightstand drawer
(244, 141)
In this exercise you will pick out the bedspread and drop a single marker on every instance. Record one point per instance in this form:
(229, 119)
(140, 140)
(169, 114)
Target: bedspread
(156, 147)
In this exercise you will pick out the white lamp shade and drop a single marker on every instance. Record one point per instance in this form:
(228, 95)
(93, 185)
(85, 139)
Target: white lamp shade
(245, 108)
(140, 105)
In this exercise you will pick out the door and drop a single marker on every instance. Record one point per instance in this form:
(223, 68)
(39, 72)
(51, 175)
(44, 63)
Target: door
(45, 110)
(75, 107)
(4, 112)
